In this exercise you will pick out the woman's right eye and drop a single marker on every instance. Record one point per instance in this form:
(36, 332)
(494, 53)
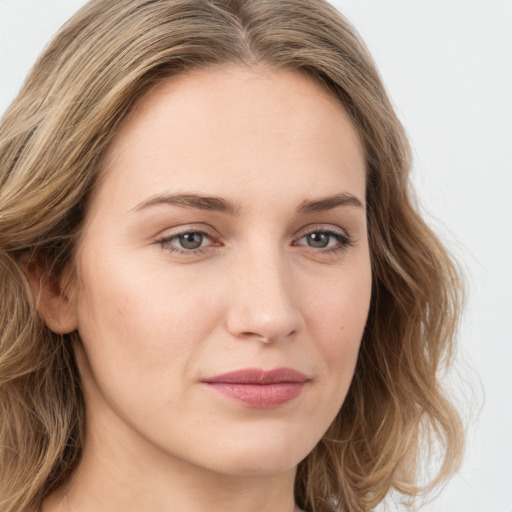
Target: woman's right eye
(190, 240)
(186, 242)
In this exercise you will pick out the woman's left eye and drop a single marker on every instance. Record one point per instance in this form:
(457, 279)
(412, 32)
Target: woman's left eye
(325, 239)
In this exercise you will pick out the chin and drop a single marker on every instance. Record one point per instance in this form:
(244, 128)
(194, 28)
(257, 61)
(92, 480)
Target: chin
(261, 456)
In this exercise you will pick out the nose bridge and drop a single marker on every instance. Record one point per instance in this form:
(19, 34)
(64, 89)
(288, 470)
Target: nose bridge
(263, 302)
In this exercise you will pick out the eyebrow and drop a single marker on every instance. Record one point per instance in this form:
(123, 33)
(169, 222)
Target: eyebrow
(219, 204)
(329, 203)
(197, 201)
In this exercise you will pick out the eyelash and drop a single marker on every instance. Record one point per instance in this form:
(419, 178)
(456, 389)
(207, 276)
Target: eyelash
(344, 241)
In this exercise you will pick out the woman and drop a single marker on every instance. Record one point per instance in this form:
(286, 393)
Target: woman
(218, 292)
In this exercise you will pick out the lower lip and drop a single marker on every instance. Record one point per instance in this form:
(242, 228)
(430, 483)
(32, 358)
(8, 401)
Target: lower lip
(260, 396)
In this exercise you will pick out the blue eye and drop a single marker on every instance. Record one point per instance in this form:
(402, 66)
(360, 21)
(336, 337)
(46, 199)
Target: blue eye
(325, 239)
(319, 240)
(188, 241)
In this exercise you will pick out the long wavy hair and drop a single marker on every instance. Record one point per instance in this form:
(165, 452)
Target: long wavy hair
(52, 140)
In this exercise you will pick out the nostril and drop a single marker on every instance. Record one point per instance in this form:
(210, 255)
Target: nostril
(257, 336)
(267, 338)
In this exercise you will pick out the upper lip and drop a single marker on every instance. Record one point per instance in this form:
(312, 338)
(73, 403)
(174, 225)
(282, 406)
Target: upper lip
(258, 376)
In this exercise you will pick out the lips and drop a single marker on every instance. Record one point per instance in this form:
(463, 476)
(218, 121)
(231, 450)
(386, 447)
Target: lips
(259, 388)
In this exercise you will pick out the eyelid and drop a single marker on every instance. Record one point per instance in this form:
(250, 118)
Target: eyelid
(311, 228)
(188, 228)
(322, 228)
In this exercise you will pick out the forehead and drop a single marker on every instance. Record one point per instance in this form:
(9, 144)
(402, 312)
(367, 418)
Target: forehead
(231, 129)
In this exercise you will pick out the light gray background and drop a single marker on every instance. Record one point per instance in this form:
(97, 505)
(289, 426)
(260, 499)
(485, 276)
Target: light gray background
(448, 67)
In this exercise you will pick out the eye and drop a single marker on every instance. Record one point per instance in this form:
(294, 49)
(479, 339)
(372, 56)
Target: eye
(327, 240)
(190, 240)
(186, 242)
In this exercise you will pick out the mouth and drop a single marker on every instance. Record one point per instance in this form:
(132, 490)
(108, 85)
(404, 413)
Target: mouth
(258, 388)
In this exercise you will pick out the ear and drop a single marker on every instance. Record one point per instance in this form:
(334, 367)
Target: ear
(54, 302)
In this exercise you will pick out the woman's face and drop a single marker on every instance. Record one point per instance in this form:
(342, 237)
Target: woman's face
(228, 234)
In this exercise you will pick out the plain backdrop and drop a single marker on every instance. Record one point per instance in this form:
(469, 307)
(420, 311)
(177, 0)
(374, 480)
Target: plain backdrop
(448, 68)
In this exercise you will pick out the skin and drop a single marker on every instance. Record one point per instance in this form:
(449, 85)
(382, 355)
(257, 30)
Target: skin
(155, 318)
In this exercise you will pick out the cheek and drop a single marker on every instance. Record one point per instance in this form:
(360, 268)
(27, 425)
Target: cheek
(337, 315)
(140, 327)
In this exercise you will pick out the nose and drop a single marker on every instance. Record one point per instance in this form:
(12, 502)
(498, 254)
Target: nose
(263, 301)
